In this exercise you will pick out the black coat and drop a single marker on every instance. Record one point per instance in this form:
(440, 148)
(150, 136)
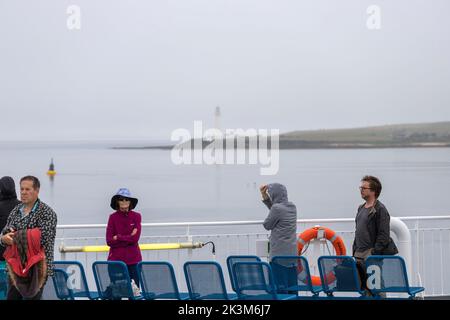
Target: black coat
(8, 201)
(379, 231)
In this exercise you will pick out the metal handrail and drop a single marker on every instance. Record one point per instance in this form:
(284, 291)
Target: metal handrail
(234, 223)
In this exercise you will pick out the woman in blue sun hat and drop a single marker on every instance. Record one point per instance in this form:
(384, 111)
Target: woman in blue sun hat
(123, 232)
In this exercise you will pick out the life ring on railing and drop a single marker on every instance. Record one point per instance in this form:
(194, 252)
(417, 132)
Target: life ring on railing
(319, 232)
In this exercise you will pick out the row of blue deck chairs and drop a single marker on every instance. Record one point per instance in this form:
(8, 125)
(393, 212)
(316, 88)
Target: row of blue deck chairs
(285, 278)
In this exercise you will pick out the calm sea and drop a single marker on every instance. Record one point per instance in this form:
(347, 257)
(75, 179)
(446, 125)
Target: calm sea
(322, 183)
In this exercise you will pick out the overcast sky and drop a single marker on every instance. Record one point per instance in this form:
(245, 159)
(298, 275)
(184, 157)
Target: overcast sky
(141, 69)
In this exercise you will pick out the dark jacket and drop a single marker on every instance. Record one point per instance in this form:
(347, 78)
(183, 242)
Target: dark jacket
(281, 221)
(8, 200)
(379, 230)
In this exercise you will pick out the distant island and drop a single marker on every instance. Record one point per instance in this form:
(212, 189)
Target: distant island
(435, 134)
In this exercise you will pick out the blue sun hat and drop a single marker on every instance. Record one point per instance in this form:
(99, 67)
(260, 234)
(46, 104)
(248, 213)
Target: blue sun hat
(123, 193)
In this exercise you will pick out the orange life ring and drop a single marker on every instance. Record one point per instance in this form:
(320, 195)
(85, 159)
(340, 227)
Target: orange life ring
(319, 232)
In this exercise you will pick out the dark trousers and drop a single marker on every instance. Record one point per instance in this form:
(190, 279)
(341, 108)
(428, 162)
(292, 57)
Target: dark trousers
(14, 294)
(361, 267)
(132, 270)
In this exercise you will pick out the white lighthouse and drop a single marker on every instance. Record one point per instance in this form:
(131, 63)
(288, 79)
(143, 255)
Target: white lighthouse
(212, 137)
(217, 119)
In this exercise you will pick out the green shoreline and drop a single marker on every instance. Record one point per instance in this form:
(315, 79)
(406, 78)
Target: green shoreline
(419, 135)
(310, 147)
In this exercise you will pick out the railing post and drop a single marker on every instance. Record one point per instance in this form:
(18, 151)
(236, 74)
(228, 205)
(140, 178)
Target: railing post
(400, 229)
(62, 252)
(418, 259)
(189, 239)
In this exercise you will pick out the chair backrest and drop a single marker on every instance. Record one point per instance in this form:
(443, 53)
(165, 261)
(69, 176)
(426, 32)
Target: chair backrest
(387, 274)
(205, 280)
(158, 281)
(77, 278)
(112, 280)
(339, 274)
(60, 281)
(254, 280)
(291, 273)
(231, 260)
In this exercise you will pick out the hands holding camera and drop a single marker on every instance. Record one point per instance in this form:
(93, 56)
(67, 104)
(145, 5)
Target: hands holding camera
(263, 190)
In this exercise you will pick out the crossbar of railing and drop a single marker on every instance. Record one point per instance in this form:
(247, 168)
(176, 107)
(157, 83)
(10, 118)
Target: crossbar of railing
(235, 223)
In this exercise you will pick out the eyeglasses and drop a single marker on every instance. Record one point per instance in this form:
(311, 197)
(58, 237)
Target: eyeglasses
(364, 188)
(123, 199)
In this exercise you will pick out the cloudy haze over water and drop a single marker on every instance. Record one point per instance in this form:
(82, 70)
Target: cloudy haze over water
(141, 69)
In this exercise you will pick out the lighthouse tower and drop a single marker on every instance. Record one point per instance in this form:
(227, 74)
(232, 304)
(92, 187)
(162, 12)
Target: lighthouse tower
(217, 119)
(217, 126)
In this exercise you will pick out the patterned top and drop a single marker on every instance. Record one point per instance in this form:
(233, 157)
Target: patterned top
(22, 208)
(43, 218)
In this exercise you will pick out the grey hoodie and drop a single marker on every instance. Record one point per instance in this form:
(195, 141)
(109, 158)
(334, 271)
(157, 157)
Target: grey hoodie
(281, 221)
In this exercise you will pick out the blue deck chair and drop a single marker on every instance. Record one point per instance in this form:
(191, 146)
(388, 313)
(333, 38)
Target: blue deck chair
(77, 279)
(393, 277)
(340, 274)
(254, 281)
(60, 282)
(292, 273)
(112, 280)
(158, 281)
(49, 292)
(231, 260)
(205, 281)
(3, 283)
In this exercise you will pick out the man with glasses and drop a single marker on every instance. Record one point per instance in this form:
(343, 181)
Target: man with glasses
(372, 235)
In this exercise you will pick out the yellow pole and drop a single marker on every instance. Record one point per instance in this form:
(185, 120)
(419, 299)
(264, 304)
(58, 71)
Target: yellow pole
(146, 246)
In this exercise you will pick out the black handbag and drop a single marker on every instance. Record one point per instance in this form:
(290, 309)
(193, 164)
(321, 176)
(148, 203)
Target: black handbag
(390, 249)
(345, 277)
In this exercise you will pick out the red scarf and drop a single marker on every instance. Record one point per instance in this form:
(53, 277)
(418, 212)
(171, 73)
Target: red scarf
(35, 253)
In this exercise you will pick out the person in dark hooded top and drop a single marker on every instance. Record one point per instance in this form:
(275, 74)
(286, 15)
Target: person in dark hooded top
(8, 201)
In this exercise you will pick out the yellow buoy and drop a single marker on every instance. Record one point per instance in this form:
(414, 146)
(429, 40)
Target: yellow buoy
(51, 170)
(51, 173)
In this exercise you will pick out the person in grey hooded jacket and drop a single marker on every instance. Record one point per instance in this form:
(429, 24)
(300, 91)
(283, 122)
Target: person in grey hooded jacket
(281, 221)
(282, 224)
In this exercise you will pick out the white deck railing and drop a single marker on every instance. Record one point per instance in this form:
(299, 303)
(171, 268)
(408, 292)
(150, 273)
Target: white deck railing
(430, 242)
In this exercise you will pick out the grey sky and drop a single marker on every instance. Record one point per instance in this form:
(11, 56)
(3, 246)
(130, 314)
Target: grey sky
(140, 69)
